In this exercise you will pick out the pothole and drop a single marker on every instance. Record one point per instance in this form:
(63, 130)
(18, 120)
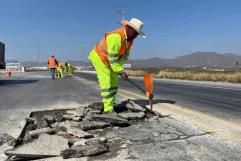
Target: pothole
(76, 133)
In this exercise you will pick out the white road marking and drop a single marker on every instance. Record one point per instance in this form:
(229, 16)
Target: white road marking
(202, 85)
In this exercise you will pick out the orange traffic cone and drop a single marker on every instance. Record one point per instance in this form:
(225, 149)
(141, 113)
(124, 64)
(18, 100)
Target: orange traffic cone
(8, 73)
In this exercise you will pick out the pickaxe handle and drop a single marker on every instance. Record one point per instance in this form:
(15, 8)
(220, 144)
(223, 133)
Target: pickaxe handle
(143, 91)
(137, 86)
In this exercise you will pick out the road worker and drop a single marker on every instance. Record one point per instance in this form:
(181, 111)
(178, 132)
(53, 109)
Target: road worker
(52, 65)
(110, 54)
(60, 70)
(70, 69)
(65, 69)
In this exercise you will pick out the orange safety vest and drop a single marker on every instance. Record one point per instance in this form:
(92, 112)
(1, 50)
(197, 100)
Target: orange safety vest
(101, 47)
(52, 62)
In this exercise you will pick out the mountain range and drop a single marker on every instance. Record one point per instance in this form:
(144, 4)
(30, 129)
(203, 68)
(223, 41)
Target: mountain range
(197, 59)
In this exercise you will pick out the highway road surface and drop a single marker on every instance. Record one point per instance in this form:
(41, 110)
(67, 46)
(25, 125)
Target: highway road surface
(218, 99)
(194, 114)
(26, 92)
(36, 89)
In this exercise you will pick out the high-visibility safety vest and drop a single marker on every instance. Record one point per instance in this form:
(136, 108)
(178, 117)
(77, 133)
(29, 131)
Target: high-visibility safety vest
(52, 62)
(101, 47)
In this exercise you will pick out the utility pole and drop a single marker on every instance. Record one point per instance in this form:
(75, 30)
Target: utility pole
(122, 13)
(84, 62)
(84, 57)
(38, 53)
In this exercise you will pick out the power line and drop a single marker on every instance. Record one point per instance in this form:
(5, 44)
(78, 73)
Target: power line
(178, 8)
(13, 43)
(24, 43)
(199, 20)
(17, 47)
(11, 48)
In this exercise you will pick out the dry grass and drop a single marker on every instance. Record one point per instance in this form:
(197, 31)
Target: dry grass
(136, 73)
(224, 76)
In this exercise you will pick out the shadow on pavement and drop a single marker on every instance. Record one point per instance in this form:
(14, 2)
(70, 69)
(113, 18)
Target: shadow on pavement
(145, 102)
(16, 82)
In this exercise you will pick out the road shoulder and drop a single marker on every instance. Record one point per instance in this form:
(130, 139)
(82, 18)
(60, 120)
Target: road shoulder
(205, 131)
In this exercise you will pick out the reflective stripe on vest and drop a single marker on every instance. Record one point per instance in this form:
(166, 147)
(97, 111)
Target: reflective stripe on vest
(101, 48)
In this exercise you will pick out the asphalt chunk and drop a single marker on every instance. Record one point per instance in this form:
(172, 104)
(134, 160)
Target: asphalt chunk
(112, 119)
(93, 125)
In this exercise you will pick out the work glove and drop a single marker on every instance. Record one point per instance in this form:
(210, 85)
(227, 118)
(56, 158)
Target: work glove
(123, 75)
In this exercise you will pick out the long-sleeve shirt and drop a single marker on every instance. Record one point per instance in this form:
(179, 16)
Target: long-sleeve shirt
(114, 45)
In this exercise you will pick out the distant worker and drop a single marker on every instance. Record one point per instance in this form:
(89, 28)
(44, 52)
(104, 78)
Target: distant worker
(65, 68)
(52, 65)
(110, 54)
(70, 69)
(60, 70)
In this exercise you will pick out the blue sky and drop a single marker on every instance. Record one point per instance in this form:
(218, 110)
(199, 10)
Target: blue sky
(70, 28)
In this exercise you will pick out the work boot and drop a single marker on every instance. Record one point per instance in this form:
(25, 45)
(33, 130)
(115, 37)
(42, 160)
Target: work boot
(108, 111)
(111, 111)
(119, 108)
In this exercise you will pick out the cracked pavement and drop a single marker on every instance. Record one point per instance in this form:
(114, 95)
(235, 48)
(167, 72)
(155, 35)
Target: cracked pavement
(169, 139)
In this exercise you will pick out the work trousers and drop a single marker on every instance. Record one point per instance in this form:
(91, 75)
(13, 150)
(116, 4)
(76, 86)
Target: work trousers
(70, 71)
(108, 81)
(52, 71)
(60, 72)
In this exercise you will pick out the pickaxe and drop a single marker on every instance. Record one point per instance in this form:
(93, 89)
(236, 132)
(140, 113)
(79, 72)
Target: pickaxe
(149, 88)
